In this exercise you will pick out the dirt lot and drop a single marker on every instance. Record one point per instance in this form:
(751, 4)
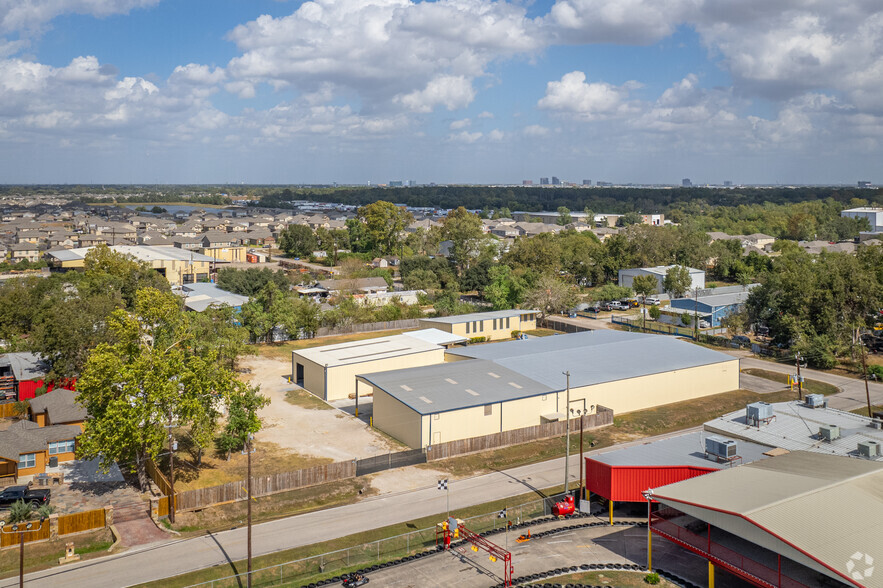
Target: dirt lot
(319, 433)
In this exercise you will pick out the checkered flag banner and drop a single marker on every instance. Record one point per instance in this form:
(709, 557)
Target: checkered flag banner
(443, 484)
(502, 514)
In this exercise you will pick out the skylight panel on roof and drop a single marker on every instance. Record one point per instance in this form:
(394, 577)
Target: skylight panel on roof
(514, 385)
(426, 400)
(406, 388)
(450, 381)
(493, 375)
(473, 392)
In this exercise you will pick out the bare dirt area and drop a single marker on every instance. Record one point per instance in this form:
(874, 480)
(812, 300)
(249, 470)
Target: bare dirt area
(406, 479)
(320, 433)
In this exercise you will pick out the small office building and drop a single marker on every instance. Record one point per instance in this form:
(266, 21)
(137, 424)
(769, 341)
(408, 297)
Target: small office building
(498, 387)
(330, 371)
(494, 326)
(712, 308)
(627, 276)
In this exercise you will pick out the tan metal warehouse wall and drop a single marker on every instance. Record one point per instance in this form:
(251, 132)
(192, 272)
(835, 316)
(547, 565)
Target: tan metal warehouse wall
(485, 328)
(395, 419)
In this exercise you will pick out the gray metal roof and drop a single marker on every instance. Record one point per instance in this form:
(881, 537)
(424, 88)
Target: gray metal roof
(140, 252)
(594, 357)
(716, 300)
(454, 386)
(478, 316)
(436, 336)
(202, 295)
(25, 365)
(796, 427)
(819, 510)
(683, 450)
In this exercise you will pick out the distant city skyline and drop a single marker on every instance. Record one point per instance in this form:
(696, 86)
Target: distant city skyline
(453, 91)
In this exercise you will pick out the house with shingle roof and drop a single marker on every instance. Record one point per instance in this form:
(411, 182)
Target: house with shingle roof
(59, 407)
(26, 448)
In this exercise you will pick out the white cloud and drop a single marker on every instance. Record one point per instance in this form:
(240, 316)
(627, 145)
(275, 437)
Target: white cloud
(460, 124)
(30, 16)
(496, 135)
(636, 22)
(197, 75)
(465, 137)
(418, 55)
(590, 101)
(535, 131)
(485, 114)
(451, 91)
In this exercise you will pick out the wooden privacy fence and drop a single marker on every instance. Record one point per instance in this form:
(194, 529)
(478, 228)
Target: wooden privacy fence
(158, 478)
(262, 486)
(8, 539)
(368, 327)
(81, 521)
(602, 418)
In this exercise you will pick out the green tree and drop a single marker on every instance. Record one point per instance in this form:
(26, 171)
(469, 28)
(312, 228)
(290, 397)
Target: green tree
(297, 240)
(630, 218)
(677, 281)
(114, 274)
(465, 232)
(242, 419)
(644, 286)
(248, 282)
(273, 308)
(505, 289)
(550, 295)
(359, 240)
(541, 254)
(564, 217)
(150, 376)
(611, 292)
(422, 279)
(655, 312)
(385, 223)
(590, 215)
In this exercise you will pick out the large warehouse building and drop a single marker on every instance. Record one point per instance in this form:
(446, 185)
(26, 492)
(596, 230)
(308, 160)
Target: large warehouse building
(330, 371)
(486, 389)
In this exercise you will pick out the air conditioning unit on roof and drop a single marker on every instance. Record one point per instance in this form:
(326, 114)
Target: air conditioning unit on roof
(722, 448)
(829, 432)
(869, 449)
(815, 400)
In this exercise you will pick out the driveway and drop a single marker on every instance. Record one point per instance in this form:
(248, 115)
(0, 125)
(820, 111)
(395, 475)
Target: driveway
(320, 433)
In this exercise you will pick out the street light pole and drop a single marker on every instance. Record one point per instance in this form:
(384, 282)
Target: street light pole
(567, 429)
(21, 545)
(797, 358)
(248, 451)
(173, 445)
(865, 372)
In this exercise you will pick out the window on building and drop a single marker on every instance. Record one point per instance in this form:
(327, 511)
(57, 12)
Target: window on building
(495, 324)
(27, 460)
(507, 322)
(481, 326)
(467, 328)
(56, 447)
(488, 409)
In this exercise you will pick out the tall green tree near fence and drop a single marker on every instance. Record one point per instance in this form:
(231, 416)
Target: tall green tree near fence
(644, 286)
(152, 375)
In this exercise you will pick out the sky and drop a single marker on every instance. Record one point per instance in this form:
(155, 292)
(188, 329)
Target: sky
(446, 91)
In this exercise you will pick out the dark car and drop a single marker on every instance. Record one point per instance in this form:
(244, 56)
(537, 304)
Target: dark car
(741, 340)
(12, 494)
(355, 580)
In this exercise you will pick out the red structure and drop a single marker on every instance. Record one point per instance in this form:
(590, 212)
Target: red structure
(626, 483)
(562, 509)
(494, 551)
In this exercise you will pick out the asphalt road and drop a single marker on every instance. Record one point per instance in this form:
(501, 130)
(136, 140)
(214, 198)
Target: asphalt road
(154, 562)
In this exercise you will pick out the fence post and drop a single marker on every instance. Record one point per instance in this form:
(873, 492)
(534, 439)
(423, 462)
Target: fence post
(53, 526)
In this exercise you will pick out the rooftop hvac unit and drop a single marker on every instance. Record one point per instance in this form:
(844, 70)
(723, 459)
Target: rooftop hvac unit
(829, 432)
(870, 449)
(719, 447)
(815, 400)
(757, 412)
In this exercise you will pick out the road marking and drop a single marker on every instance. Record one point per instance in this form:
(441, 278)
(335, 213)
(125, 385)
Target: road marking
(553, 542)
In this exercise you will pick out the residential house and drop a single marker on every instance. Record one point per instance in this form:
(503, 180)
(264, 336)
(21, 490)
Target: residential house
(59, 407)
(91, 240)
(374, 284)
(21, 374)
(215, 239)
(24, 252)
(259, 236)
(188, 243)
(26, 448)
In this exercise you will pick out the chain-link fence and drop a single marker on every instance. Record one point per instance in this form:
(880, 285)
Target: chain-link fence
(312, 569)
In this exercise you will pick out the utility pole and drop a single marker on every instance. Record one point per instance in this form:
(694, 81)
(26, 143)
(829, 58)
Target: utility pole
(865, 372)
(567, 429)
(696, 312)
(797, 359)
(582, 420)
(173, 445)
(249, 450)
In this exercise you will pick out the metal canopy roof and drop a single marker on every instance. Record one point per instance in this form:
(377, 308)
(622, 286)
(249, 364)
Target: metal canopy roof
(682, 450)
(454, 386)
(594, 357)
(819, 510)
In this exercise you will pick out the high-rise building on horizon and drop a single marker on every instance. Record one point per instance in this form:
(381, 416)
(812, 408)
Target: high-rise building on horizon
(544, 181)
(587, 182)
(686, 183)
(556, 181)
(527, 182)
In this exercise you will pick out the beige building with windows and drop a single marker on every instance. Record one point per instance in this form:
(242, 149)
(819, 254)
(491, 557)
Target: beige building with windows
(178, 266)
(495, 326)
(330, 371)
(486, 389)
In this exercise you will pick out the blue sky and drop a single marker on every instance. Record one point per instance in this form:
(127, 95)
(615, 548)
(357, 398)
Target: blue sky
(352, 91)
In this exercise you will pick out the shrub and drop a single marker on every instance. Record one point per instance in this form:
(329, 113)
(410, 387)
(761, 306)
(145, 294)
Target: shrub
(652, 578)
(19, 512)
(516, 334)
(654, 312)
(478, 339)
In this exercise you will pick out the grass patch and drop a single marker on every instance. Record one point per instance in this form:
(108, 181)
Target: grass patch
(215, 469)
(809, 386)
(542, 332)
(283, 350)
(618, 579)
(40, 556)
(489, 508)
(864, 410)
(304, 399)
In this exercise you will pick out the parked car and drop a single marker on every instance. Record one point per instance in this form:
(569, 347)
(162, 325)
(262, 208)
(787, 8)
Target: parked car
(741, 340)
(631, 302)
(619, 305)
(704, 324)
(606, 306)
(653, 301)
(36, 498)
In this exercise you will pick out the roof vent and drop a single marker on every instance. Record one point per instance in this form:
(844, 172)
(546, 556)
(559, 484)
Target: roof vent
(815, 400)
(759, 412)
(869, 449)
(829, 433)
(721, 448)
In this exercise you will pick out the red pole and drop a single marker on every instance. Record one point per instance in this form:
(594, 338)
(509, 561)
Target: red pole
(582, 421)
